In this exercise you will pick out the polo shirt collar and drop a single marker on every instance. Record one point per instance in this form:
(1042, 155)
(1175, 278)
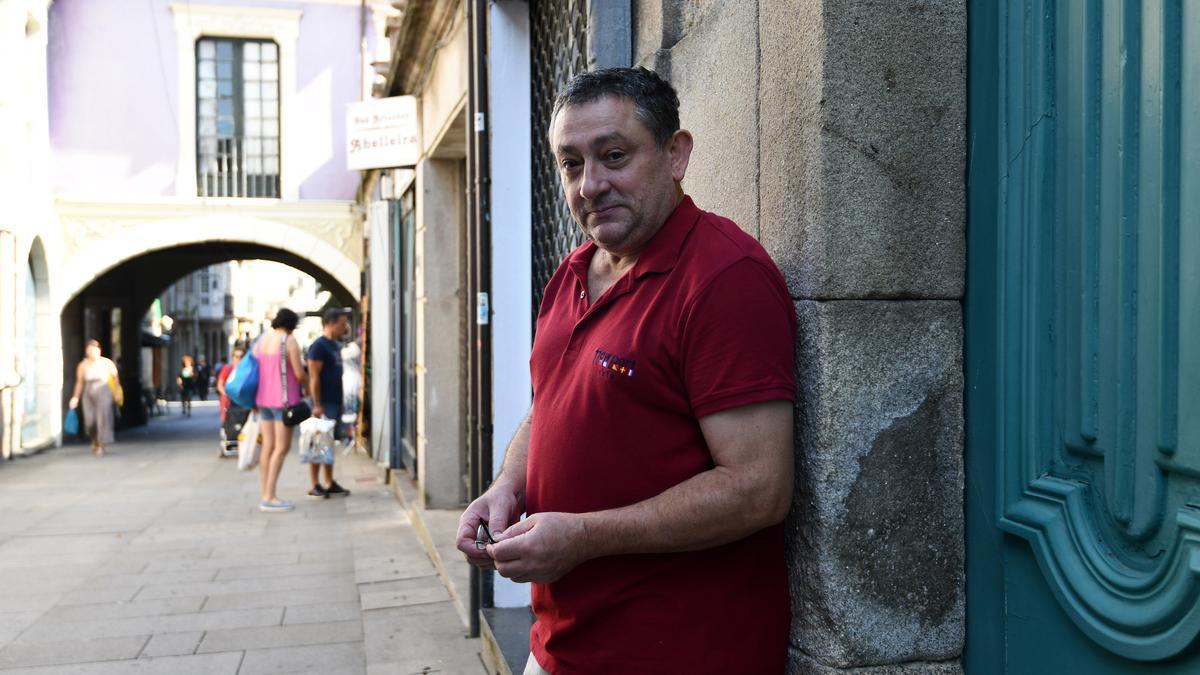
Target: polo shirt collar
(663, 250)
(659, 255)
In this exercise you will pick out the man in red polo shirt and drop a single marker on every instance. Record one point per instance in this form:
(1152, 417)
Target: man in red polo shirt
(655, 465)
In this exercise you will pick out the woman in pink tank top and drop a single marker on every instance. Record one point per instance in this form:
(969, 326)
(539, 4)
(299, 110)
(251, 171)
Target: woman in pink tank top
(281, 380)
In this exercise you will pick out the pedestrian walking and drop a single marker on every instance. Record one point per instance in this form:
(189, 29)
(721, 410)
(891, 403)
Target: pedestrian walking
(223, 375)
(96, 380)
(187, 384)
(281, 381)
(203, 377)
(655, 464)
(325, 385)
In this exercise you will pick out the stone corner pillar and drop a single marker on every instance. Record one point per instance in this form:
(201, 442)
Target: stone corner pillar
(862, 203)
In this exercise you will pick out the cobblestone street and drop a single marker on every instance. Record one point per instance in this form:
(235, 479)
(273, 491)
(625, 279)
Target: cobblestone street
(155, 559)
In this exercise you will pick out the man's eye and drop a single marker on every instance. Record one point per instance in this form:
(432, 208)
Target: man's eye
(568, 164)
(615, 156)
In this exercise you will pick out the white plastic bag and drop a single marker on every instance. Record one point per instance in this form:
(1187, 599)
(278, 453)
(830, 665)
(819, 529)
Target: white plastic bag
(316, 440)
(248, 443)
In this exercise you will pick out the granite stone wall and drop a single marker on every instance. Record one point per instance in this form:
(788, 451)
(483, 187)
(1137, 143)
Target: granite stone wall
(834, 131)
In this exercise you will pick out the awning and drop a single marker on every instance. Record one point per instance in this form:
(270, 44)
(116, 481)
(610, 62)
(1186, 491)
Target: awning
(149, 339)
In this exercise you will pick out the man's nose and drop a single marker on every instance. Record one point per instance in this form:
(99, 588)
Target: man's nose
(595, 181)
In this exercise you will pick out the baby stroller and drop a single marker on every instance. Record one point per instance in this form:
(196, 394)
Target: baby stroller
(235, 418)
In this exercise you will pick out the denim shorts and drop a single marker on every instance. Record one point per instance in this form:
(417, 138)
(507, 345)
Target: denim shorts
(334, 412)
(270, 414)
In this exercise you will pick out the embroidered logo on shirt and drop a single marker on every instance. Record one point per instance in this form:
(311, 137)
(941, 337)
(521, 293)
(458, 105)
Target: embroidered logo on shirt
(612, 366)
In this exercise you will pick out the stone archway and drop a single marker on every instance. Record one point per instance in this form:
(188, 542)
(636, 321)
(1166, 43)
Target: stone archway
(116, 255)
(99, 237)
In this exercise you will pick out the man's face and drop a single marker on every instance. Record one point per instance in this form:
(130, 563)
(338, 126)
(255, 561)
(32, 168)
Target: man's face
(92, 351)
(619, 185)
(341, 327)
(237, 356)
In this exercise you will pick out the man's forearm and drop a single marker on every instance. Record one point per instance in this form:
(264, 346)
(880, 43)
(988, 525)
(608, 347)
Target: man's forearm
(709, 509)
(749, 488)
(516, 458)
(315, 366)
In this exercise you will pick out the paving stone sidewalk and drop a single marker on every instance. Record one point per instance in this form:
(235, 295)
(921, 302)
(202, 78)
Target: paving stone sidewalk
(155, 559)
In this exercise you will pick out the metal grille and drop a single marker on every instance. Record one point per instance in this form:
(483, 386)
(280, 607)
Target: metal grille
(558, 30)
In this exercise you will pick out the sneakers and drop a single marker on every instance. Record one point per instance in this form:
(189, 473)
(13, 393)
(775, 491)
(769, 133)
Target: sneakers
(318, 492)
(335, 490)
(275, 505)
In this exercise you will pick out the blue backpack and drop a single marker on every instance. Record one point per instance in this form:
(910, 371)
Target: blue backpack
(242, 385)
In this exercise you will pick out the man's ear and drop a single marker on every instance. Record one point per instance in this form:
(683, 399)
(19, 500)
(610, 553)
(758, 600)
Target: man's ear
(680, 149)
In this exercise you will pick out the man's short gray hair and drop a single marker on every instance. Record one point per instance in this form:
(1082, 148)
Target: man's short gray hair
(653, 98)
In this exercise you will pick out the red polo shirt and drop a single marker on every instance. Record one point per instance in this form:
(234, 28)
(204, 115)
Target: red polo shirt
(702, 323)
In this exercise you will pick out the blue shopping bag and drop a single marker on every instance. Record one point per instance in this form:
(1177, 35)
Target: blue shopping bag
(71, 423)
(242, 385)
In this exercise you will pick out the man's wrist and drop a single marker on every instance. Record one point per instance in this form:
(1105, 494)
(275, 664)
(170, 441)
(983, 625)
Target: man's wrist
(509, 484)
(594, 543)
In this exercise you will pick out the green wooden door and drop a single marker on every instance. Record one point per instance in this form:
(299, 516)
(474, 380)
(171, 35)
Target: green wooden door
(1083, 337)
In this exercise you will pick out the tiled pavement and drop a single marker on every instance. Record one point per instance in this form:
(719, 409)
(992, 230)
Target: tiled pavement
(155, 559)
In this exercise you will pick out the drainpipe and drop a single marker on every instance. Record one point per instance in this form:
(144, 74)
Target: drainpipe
(479, 278)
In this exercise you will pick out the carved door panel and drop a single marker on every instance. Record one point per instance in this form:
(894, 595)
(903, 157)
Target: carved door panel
(1086, 312)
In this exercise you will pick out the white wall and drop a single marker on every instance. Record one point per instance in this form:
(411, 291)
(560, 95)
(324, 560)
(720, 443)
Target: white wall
(511, 239)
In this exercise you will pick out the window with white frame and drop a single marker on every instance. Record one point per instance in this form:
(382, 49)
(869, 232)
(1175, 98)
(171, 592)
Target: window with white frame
(237, 118)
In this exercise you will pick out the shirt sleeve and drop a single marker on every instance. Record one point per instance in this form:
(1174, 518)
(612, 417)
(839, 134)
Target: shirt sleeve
(316, 351)
(739, 340)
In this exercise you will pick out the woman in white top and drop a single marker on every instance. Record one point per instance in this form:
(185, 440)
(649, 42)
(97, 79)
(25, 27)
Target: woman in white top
(93, 372)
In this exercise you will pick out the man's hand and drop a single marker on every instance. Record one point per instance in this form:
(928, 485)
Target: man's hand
(497, 507)
(542, 548)
(73, 403)
(318, 410)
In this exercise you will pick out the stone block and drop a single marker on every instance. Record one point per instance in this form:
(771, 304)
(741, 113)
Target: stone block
(863, 147)
(172, 644)
(334, 611)
(200, 664)
(875, 535)
(48, 630)
(21, 654)
(403, 592)
(343, 592)
(417, 633)
(800, 663)
(124, 610)
(399, 565)
(298, 569)
(269, 637)
(714, 68)
(331, 658)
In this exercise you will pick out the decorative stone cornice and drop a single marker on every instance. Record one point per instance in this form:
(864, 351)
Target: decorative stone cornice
(99, 235)
(414, 37)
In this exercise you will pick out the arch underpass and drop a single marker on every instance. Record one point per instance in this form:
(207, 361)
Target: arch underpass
(124, 256)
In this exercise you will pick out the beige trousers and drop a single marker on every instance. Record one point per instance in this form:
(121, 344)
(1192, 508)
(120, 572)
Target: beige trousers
(532, 667)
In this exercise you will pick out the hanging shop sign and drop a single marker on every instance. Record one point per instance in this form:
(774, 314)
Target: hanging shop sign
(382, 133)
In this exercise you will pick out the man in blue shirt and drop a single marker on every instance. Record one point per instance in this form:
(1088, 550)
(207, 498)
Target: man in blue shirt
(325, 384)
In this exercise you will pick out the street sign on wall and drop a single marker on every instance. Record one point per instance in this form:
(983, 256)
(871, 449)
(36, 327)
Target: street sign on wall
(382, 133)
